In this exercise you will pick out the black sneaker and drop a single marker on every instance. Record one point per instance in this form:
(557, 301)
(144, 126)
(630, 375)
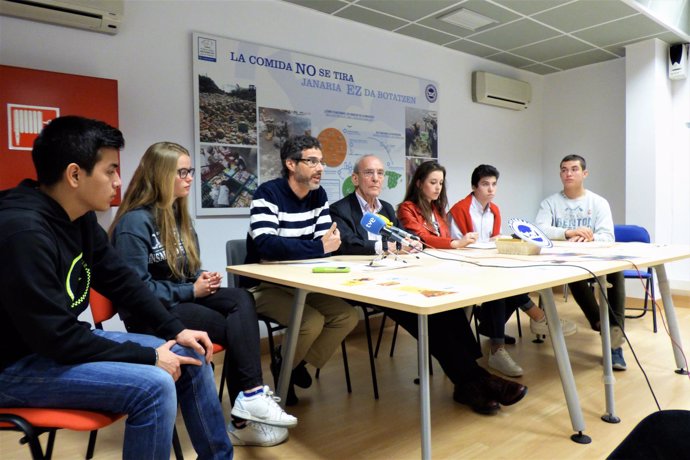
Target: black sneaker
(292, 399)
(301, 377)
(276, 364)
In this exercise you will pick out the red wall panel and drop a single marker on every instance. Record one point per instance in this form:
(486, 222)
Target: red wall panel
(30, 98)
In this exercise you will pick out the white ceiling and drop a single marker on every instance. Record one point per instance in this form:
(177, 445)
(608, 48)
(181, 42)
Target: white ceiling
(541, 36)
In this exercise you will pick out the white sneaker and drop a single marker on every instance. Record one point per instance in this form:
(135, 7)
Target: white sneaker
(263, 408)
(503, 363)
(542, 328)
(257, 434)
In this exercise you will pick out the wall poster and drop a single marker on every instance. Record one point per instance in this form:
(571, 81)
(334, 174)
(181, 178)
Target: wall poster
(249, 98)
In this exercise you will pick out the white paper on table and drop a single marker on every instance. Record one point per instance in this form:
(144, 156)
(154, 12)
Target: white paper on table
(482, 245)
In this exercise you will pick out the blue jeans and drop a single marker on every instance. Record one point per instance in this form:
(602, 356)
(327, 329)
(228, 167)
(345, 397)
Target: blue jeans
(146, 393)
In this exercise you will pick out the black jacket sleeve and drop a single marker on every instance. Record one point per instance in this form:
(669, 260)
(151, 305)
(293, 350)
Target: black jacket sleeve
(347, 215)
(42, 317)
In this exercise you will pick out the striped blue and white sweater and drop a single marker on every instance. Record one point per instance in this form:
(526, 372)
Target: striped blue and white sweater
(284, 227)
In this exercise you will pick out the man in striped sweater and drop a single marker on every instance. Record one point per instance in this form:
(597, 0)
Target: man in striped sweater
(289, 220)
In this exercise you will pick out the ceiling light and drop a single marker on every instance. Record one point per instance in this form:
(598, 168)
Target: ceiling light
(467, 19)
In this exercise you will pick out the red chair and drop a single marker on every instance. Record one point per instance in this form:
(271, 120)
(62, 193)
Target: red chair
(102, 310)
(35, 421)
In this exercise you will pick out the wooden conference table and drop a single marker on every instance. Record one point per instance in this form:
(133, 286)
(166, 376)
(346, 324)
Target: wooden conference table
(438, 281)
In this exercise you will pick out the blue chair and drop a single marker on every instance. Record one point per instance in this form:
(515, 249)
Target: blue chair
(635, 233)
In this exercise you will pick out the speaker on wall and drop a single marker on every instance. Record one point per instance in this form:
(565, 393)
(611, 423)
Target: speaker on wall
(678, 61)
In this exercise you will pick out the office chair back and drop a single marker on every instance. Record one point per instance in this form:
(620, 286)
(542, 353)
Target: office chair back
(235, 253)
(631, 233)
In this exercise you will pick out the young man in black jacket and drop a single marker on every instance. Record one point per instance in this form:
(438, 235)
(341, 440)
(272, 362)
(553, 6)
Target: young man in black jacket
(54, 251)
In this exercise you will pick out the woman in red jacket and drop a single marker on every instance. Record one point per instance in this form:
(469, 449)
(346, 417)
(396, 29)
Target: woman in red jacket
(423, 212)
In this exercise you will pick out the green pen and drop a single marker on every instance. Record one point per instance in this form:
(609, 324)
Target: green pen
(330, 270)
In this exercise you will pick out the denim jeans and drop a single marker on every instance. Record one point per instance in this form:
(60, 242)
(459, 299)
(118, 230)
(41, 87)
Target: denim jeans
(146, 393)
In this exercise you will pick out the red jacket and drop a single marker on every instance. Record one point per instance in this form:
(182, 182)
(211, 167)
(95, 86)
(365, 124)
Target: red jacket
(461, 215)
(411, 217)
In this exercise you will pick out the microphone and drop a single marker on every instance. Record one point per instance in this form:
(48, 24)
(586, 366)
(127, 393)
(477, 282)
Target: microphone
(373, 223)
(397, 230)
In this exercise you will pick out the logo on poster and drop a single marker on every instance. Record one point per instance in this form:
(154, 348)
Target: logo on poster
(207, 49)
(431, 93)
(24, 122)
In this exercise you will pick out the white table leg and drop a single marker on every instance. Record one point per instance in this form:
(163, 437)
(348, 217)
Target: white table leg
(671, 319)
(564, 368)
(291, 336)
(423, 357)
(609, 379)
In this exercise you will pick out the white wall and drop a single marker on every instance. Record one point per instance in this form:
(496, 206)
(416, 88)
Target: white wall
(658, 143)
(584, 114)
(577, 111)
(679, 172)
(151, 59)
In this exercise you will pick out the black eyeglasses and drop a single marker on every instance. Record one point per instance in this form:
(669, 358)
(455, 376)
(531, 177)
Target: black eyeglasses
(312, 162)
(182, 173)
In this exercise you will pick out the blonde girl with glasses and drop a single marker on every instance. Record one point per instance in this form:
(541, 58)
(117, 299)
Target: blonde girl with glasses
(154, 233)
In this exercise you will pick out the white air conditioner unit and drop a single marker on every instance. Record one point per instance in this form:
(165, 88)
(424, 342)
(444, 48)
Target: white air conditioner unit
(97, 15)
(500, 91)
